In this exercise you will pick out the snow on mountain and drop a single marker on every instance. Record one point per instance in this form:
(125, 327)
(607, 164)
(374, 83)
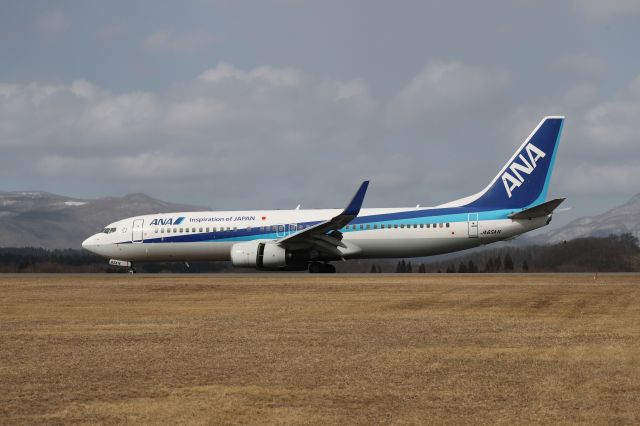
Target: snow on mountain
(618, 220)
(41, 219)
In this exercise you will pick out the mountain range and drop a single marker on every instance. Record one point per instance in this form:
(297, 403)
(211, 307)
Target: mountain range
(41, 219)
(618, 220)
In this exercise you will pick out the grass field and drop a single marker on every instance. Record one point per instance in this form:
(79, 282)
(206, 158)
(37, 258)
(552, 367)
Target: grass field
(401, 349)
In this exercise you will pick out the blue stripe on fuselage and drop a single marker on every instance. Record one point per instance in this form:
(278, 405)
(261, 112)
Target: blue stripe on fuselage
(425, 216)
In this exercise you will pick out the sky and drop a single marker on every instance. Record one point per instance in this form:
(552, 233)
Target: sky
(271, 104)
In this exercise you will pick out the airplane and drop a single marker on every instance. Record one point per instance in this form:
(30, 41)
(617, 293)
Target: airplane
(513, 203)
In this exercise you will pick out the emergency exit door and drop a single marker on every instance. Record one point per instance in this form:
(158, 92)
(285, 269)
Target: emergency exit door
(473, 225)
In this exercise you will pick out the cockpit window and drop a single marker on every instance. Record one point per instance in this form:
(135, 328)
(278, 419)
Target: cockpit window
(109, 230)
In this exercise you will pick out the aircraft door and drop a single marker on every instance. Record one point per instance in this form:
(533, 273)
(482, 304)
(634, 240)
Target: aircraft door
(473, 225)
(293, 228)
(136, 231)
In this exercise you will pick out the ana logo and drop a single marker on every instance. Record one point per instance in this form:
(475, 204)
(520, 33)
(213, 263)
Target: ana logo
(512, 178)
(168, 221)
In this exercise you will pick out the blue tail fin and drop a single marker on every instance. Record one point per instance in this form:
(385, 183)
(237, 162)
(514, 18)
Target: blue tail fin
(524, 180)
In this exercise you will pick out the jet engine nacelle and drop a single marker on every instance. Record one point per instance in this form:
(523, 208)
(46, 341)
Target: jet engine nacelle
(264, 255)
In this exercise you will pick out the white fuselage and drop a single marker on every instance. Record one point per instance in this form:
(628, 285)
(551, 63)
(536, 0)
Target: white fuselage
(375, 233)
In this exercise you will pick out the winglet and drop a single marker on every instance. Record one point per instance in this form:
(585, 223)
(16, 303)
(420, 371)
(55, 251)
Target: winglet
(356, 202)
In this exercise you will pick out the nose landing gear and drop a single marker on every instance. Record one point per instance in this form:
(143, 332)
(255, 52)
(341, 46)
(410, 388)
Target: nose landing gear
(321, 268)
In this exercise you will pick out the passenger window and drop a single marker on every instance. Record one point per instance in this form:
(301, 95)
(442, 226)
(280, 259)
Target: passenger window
(382, 226)
(200, 229)
(447, 224)
(175, 230)
(395, 225)
(441, 225)
(368, 226)
(213, 229)
(155, 230)
(422, 225)
(375, 226)
(273, 228)
(428, 225)
(162, 230)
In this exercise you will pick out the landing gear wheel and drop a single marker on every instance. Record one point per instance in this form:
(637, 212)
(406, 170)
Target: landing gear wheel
(329, 268)
(315, 268)
(132, 270)
(321, 268)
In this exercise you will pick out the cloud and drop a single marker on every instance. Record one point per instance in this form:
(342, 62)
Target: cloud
(171, 42)
(78, 115)
(599, 150)
(52, 24)
(580, 95)
(444, 89)
(583, 64)
(611, 126)
(602, 179)
(111, 33)
(598, 10)
(139, 167)
(277, 77)
(228, 124)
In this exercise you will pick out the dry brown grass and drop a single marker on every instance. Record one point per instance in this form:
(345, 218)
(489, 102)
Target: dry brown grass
(320, 349)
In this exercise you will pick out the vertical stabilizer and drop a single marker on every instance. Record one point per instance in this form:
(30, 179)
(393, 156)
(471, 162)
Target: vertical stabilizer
(524, 179)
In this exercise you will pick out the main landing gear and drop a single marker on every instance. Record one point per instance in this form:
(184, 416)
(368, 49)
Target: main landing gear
(321, 268)
(132, 269)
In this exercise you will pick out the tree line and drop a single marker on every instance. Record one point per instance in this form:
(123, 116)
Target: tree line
(40, 260)
(615, 253)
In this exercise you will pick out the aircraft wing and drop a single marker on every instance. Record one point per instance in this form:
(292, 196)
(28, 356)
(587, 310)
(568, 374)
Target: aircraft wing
(325, 235)
(539, 210)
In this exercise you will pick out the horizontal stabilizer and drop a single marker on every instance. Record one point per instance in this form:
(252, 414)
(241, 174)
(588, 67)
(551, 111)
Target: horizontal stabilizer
(540, 210)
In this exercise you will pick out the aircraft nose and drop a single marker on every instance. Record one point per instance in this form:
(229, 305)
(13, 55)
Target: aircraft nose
(89, 244)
